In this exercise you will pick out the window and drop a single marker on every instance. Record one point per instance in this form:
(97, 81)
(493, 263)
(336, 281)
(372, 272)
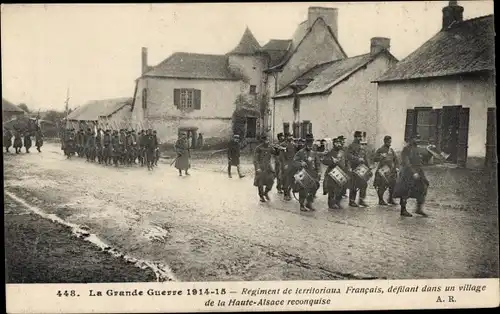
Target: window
(305, 128)
(286, 128)
(187, 99)
(253, 89)
(144, 98)
(424, 121)
(251, 128)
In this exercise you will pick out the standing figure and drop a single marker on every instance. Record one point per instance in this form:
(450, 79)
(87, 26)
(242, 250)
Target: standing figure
(157, 148)
(107, 148)
(356, 157)
(115, 143)
(70, 145)
(336, 174)
(387, 171)
(7, 139)
(308, 176)
(134, 150)
(199, 142)
(277, 164)
(38, 139)
(18, 142)
(142, 143)
(183, 154)
(288, 166)
(98, 145)
(412, 182)
(149, 146)
(264, 172)
(27, 141)
(80, 143)
(233, 155)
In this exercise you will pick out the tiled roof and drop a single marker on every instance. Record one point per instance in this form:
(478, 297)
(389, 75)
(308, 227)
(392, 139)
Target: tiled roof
(7, 106)
(465, 47)
(248, 45)
(92, 110)
(194, 65)
(276, 49)
(323, 77)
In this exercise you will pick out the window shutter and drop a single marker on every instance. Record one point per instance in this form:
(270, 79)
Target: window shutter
(439, 128)
(197, 99)
(433, 122)
(463, 136)
(410, 123)
(296, 128)
(177, 97)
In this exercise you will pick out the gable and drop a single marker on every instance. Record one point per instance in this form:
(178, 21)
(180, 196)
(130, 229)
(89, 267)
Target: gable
(318, 46)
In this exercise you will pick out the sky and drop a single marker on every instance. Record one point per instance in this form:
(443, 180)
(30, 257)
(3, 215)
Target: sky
(95, 49)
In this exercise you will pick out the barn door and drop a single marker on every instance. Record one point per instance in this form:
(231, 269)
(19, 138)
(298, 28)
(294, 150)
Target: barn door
(410, 124)
(463, 137)
(491, 138)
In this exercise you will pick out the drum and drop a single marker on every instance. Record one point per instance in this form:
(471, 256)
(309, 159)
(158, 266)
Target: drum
(363, 172)
(339, 176)
(305, 180)
(385, 172)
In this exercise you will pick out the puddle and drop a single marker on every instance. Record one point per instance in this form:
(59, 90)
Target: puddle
(162, 271)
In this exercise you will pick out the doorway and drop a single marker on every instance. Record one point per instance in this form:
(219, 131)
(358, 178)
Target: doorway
(455, 133)
(191, 133)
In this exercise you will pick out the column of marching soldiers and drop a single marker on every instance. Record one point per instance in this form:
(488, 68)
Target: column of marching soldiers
(22, 139)
(296, 169)
(112, 147)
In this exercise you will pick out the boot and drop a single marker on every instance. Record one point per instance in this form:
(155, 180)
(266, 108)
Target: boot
(391, 201)
(303, 208)
(266, 194)
(352, 203)
(419, 211)
(180, 173)
(362, 203)
(229, 172)
(38, 149)
(380, 194)
(309, 204)
(187, 173)
(404, 212)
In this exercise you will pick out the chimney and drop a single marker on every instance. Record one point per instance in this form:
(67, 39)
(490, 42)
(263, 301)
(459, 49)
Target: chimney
(144, 60)
(329, 15)
(378, 44)
(452, 13)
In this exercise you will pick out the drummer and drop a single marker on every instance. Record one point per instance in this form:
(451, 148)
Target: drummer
(306, 159)
(356, 157)
(386, 173)
(335, 188)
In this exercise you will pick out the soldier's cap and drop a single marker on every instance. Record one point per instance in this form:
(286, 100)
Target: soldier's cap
(387, 137)
(309, 138)
(301, 140)
(263, 137)
(341, 137)
(280, 135)
(358, 134)
(323, 141)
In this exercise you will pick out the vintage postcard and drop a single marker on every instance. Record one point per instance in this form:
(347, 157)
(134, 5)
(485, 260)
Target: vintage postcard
(196, 157)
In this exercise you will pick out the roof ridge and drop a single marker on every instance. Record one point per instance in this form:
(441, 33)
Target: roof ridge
(198, 53)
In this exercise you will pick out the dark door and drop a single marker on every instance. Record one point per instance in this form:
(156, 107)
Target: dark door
(491, 138)
(449, 133)
(410, 124)
(463, 136)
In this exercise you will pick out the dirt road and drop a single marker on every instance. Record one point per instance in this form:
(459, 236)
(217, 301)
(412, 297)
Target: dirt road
(208, 227)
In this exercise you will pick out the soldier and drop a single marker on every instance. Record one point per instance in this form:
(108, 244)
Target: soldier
(157, 148)
(142, 143)
(149, 146)
(107, 148)
(288, 166)
(91, 144)
(356, 156)
(70, 145)
(98, 145)
(183, 154)
(115, 144)
(301, 143)
(277, 165)
(18, 141)
(27, 141)
(412, 182)
(134, 150)
(38, 139)
(7, 139)
(233, 155)
(308, 160)
(79, 142)
(386, 173)
(264, 173)
(335, 190)
(128, 147)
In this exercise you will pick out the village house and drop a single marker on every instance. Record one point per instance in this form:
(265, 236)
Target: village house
(10, 111)
(196, 92)
(114, 113)
(320, 89)
(445, 91)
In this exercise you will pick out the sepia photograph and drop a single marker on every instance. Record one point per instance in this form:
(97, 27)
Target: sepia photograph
(258, 143)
